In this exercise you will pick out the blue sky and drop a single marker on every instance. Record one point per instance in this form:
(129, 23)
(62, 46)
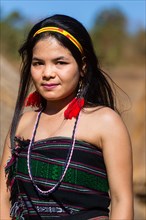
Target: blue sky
(84, 11)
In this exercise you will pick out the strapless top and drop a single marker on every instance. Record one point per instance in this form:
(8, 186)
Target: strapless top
(83, 192)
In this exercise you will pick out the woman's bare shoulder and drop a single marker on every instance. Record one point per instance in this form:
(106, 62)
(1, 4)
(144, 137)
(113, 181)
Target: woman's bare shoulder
(102, 122)
(108, 120)
(26, 120)
(107, 114)
(27, 116)
(104, 114)
(111, 126)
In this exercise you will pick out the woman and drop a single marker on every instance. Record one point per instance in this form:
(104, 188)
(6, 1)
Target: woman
(71, 155)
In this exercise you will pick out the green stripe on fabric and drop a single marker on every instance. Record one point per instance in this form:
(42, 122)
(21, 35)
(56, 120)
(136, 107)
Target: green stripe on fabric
(73, 176)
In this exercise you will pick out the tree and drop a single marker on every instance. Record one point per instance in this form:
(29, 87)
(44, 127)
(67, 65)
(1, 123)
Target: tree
(108, 34)
(12, 35)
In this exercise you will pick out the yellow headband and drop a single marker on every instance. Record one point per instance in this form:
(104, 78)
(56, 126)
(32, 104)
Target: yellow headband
(61, 31)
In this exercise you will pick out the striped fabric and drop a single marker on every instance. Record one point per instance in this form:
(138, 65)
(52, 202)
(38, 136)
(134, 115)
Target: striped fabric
(83, 191)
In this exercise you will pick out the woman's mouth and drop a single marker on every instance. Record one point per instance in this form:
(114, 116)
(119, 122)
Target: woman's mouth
(49, 86)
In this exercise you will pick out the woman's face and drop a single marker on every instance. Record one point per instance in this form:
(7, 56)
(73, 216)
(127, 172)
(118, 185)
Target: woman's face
(54, 70)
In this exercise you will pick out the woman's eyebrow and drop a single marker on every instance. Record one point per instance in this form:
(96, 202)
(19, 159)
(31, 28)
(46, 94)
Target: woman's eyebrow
(60, 58)
(36, 59)
(53, 59)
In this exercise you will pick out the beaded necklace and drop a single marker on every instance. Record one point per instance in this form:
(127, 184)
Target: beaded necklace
(66, 164)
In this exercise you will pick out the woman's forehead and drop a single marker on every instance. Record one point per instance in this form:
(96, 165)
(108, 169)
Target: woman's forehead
(50, 46)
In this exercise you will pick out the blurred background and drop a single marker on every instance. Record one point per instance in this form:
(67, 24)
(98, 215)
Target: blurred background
(118, 32)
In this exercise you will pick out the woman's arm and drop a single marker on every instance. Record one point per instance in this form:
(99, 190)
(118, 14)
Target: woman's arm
(117, 153)
(4, 193)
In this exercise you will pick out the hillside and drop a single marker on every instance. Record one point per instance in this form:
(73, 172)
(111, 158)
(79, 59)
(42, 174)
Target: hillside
(132, 81)
(8, 89)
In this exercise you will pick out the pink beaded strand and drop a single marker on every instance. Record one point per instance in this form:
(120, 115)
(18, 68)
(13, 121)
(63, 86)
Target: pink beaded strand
(67, 163)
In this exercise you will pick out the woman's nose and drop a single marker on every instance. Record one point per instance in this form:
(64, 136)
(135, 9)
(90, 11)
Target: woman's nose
(48, 72)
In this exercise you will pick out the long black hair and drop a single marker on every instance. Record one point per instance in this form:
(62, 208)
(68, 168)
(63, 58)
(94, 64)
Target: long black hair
(96, 87)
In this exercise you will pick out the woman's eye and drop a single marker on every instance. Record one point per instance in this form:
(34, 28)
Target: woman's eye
(36, 63)
(61, 63)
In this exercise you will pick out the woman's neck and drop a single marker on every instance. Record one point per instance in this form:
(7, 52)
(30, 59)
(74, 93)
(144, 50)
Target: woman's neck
(54, 107)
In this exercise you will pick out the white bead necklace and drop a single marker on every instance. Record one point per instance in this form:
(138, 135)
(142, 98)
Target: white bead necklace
(67, 162)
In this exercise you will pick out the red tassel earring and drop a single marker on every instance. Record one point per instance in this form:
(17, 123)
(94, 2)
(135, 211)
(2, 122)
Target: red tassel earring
(75, 106)
(33, 100)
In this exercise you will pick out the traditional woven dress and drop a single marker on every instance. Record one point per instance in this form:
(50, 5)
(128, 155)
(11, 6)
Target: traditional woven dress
(81, 195)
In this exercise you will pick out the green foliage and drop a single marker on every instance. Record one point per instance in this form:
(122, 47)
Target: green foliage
(140, 42)
(12, 34)
(112, 42)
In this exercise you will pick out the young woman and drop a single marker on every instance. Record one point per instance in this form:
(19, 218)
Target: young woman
(72, 155)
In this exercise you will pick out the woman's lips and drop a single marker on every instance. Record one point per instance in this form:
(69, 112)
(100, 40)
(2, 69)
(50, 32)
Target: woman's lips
(50, 86)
